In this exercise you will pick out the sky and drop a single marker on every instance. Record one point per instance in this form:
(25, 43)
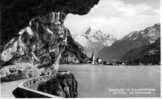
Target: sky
(116, 17)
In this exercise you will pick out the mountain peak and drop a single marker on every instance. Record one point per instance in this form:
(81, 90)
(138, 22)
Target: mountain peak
(94, 35)
(95, 40)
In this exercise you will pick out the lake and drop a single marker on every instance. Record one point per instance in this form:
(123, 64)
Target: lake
(108, 81)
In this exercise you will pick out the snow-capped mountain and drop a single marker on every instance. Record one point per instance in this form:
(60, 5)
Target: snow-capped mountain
(94, 40)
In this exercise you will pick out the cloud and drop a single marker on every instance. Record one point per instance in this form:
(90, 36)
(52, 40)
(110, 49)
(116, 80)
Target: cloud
(114, 17)
(152, 3)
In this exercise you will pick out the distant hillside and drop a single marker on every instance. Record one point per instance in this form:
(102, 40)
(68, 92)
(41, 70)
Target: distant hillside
(149, 54)
(133, 40)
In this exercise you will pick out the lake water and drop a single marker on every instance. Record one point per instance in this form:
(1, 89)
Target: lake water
(116, 81)
(109, 81)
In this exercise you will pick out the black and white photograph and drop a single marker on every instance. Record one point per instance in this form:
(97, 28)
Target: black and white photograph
(80, 49)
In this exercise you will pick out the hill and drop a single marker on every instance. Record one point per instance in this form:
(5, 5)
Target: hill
(133, 40)
(149, 54)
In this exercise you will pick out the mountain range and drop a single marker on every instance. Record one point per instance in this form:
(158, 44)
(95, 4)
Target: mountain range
(133, 40)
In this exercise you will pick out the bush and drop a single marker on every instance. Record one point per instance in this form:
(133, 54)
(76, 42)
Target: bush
(12, 77)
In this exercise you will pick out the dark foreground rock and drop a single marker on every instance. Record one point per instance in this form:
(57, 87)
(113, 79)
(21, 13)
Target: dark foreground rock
(63, 84)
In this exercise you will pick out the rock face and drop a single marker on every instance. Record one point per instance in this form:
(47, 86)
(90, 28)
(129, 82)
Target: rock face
(43, 42)
(36, 24)
(63, 84)
(133, 40)
(16, 14)
(32, 31)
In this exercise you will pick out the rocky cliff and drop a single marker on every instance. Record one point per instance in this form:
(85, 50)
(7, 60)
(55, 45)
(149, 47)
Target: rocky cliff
(16, 14)
(34, 30)
(42, 41)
